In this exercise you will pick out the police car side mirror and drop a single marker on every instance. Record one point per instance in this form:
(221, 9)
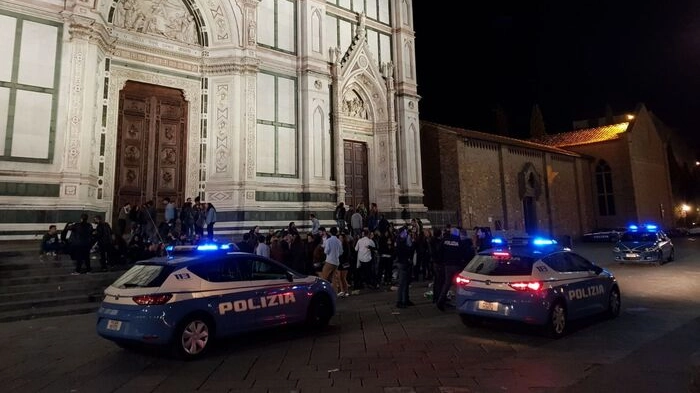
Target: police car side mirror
(290, 277)
(596, 269)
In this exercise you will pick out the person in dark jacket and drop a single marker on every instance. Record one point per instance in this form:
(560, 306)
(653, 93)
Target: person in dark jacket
(102, 235)
(405, 248)
(456, 252)
(81, 241)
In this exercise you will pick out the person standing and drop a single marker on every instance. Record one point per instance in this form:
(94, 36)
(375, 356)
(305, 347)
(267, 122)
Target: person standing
(123, 219)
(404, 252)
(340, 216)
(103, 238)
(210, 220)
(187, 219)
(315, 224)
(333, 248)
(343, 286)
(81, 240)
(456, 252)
(364, 247)
(199, 218)
(356, 223)
(170, 212)
(262, 248)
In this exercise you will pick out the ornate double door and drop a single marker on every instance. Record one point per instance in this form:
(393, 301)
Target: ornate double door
(356, 181)
(151, 145)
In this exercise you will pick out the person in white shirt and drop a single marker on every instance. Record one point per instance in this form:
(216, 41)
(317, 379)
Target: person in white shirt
(333, 249)
(262, 248)
(315, 225)
(364, 247)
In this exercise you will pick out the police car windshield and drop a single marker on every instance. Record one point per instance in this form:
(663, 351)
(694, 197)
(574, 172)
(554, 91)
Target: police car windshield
(489, 265)
(638, 237)
(143, 276)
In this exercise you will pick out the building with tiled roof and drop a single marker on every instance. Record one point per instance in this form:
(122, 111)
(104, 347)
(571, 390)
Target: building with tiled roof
(607, 175)
(505, 183)
(631, 177)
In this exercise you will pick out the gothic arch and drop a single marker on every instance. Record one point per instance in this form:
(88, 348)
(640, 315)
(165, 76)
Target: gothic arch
(370, 92)
(214, 21)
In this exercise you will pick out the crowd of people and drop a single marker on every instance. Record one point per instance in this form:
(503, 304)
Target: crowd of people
(364, 251)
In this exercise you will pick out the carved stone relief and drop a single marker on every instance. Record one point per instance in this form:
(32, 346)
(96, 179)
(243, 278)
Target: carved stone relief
(251, 99)
(354, 106)
(77, 75)
(221, 148)
(163, 18)
(192, 93)
(220, 22)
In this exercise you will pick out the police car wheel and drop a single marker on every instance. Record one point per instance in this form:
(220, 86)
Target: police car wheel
(320, 311)
(556, 325)
(470, 320)
(614, 303)
(193, 337)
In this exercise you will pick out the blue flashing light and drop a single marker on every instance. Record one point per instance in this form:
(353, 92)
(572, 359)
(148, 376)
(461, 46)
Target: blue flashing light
(651, 227)
(538, 241)
(225, 247)
(169, 248)
(207, 247)
(633, 227)
(497, 240)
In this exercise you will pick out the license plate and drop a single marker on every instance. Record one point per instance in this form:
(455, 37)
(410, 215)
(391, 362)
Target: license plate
(488, 306)
(114, 325)
(631, 255)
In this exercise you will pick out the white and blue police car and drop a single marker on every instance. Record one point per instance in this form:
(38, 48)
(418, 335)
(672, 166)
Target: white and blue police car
(644, 243)
(535, 281)
(197, 294)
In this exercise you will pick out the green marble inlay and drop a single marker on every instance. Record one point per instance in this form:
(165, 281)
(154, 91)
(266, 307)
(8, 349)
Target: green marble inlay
(29, 189)
(280, 196)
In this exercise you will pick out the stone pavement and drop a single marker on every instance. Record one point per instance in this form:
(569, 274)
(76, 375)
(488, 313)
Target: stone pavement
(370, 346)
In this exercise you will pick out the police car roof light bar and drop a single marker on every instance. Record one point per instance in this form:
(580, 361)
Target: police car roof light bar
(539, 241)
(497, 240)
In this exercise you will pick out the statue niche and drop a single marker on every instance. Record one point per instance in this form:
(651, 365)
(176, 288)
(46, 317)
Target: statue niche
(163, 18)
(354, 106)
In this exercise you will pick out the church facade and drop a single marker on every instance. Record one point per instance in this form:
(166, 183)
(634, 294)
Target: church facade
(268, 109)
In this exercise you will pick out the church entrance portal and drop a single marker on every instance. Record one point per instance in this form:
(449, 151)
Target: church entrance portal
(356, 184)
(151, 145)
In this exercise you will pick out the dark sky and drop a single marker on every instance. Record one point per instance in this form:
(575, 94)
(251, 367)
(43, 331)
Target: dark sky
(572, 58)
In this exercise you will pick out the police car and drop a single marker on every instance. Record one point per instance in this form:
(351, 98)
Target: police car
(536, 281)
(197, 294)
(644, 243)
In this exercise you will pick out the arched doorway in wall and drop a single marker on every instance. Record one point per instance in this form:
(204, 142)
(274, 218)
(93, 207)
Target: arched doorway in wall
(151, 145)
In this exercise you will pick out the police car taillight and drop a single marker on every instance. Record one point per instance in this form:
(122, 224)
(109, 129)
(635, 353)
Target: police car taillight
(526, 285)
(152, 300)
(462, 281)
(501, 254)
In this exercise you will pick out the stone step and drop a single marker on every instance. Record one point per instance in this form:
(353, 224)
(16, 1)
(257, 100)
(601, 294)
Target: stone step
(64, 276)
(29, 304)
(54, 291)
(94, 281)
(53, 311)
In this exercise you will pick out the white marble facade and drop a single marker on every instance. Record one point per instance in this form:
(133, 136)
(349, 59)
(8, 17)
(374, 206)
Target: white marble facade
(273, 89)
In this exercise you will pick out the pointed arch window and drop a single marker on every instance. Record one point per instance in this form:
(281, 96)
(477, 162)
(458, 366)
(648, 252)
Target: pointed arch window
(604, 189)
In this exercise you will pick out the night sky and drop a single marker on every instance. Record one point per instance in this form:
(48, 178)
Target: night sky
(570, 58)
